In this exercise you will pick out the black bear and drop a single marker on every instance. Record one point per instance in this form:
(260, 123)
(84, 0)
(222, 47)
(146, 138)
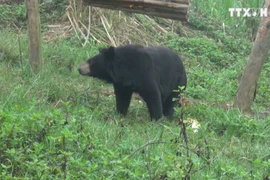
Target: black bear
(152, 72)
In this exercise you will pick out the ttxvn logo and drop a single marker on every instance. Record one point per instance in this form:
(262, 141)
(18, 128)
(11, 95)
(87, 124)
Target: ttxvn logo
(248, 12)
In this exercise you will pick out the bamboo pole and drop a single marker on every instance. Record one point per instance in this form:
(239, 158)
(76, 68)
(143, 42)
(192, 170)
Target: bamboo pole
(174, 9)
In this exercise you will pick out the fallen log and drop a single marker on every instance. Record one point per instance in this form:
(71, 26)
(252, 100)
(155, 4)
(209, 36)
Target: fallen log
(171, 9)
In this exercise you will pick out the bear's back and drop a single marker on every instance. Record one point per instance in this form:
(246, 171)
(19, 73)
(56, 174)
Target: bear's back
(167, 65)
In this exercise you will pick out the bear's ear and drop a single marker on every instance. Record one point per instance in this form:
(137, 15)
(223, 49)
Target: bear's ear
(109, 52)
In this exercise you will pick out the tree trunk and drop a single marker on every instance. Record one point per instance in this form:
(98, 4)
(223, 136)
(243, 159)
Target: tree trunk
(34, 36)
(172, 9)
(247, 87)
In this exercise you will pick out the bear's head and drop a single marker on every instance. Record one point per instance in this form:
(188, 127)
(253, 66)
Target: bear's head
(97, 65)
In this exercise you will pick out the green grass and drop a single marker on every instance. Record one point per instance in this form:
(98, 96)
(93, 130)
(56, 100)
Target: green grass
(60, 125)
(55, 125)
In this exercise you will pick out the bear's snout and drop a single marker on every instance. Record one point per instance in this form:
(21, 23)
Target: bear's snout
(84, 69)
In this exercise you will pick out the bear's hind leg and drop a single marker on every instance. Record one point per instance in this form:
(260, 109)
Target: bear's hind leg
(154, 104)
(123, 97)
(168, 105)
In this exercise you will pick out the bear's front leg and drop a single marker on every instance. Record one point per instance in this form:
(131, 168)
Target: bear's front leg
(153, 102)
(123, 97)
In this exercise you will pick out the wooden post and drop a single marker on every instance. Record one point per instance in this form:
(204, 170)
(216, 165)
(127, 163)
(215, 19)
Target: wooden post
(34, 36)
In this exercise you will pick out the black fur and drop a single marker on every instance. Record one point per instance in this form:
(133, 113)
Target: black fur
(152, 72)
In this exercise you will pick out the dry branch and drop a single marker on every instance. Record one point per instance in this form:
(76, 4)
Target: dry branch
(109, 27)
